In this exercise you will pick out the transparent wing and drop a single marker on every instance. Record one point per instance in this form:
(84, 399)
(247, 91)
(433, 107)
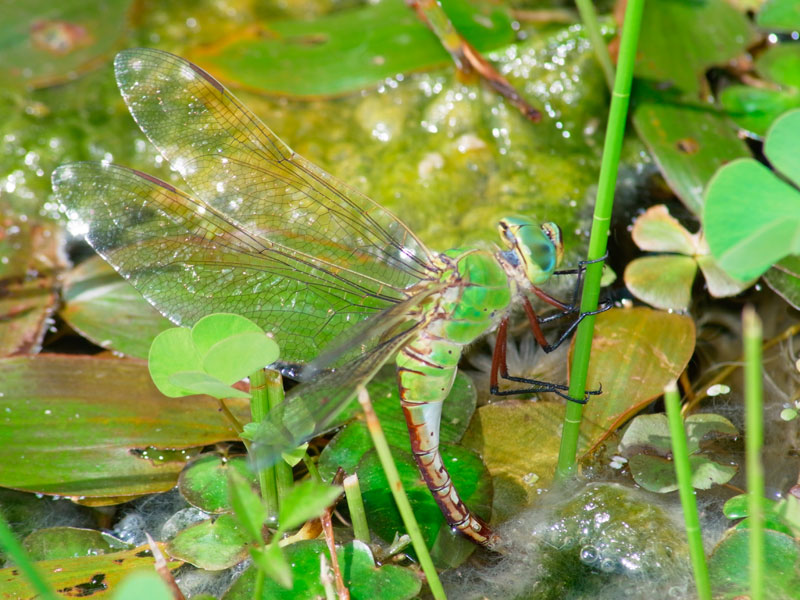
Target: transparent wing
(234, 163)
(312, 408)
(190, 260)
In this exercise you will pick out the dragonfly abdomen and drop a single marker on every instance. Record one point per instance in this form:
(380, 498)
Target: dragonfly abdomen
(427, 366)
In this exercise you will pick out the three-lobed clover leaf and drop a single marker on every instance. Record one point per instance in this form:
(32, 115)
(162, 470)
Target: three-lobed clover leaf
(665, 280)
(752, 214)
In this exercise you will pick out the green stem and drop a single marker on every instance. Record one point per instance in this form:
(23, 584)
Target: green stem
(258, 587)
(284, 478)
(683, 471)
(597, 242)
(358, 515)
(23, 563)
(400, 498)
(592, 27)
(312, 468)
(754, 440)
(259, 407)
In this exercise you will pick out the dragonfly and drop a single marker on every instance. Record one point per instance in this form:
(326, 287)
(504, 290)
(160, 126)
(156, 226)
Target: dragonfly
(341, 282)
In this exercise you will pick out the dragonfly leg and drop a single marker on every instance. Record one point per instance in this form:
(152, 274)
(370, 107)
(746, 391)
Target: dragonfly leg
(500, 365)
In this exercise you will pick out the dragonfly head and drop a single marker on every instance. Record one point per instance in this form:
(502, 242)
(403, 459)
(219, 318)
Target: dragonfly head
(536, 250)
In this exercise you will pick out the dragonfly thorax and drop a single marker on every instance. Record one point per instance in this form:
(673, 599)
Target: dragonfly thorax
(534, 252)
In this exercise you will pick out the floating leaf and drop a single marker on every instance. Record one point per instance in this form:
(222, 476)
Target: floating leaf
(106, 309)
(703, 34)
(689, 142)
(32, 256)
(204, 481)
(635, 353)
(346, 51)
(470, 478)
(521, 458)
(647, 446)
(70, 542)
(784, 279)
(779, 15)
(83, 426)
(752, 217)
(729, 565)
(211, 545)
(80, 577)
(45, 44)
(662, 281)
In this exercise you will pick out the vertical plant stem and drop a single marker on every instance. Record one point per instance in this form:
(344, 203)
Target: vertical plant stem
(683, 471)
(754, 440)
(258, 587)
(358, 515)
(592, 26)
(612, 148)
(15, 551)
(312, 468)
(284, 478)
(259, 407)
(400, 498)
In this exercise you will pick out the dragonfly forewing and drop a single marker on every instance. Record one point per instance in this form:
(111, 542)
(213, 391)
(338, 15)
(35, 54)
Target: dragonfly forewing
(189, 260)
(235, 163)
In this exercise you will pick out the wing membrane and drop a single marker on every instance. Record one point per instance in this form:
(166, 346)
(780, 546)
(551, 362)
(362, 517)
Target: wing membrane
(233, 162)
(311, 408)
(189, 260)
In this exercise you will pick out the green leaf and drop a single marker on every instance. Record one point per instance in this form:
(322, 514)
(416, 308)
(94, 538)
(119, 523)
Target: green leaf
(635, 353)
(108, 310)
(211, 545)
(87, 426)
(779, 15)
(756, 108)
(57, 41)
(305, 501)
(729, 566)
(347, 50)
(247, 506)
(236, 356)
(198, 382)
(702, 34)
(69, 542)
(172, 351)
(707, 473)
(142, 584)
(752, 218)
(658, 231)
(784, 279)
(212, 329)
(295, 456)
(271, 560)
(653, 473)
(362, 578)
(93, 574)
(781, 145)
(662, 281)
(688, 141)
(204, 481)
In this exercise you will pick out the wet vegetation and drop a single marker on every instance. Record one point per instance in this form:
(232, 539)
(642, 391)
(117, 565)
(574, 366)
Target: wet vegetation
(131, 468)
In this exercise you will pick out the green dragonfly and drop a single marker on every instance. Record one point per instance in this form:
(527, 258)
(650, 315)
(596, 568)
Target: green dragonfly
(343, 284)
